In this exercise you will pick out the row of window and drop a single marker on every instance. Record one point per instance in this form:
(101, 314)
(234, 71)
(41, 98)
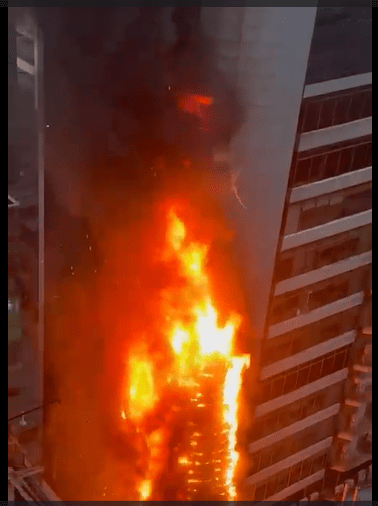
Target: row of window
(303, 374)
(288, 477)
(298, 340)
(335, 206)
(311, 297)
(331, 161)
(291, 445)
(340, 107)
(324, 252)
(291, 413)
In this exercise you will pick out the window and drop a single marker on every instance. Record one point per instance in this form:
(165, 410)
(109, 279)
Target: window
(315, 371)
(303, 377)
(277, 388)
(331, 161)
(328, 366)
(318, 464)
(332, 292)
(367, 111)
(285, 307)
(266, 459)
(332, 165)
(260, 492)
(295, 473)
(272, 486)
(361, 156)
(358, 202)
(327, 112)
(255, 463)
(336, 253)
(311, 116)
(284, 269)
(317, 167)
(346, 160)
(356, 106)
(283, 479)
(302, 173)
(306, 468)
(290, 382)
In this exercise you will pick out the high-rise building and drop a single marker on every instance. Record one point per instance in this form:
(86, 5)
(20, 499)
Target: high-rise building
(25, 258)
(304, 166)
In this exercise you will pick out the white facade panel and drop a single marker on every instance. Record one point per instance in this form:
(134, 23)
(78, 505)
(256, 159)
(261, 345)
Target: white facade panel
(264, 50)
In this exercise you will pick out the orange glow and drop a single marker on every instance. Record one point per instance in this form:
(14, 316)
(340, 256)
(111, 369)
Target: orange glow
(197, 105)
(198, 340)
(145, 490)
(192, 103)
(142, 396)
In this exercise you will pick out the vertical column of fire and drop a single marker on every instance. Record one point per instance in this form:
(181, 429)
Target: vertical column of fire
(208, 375)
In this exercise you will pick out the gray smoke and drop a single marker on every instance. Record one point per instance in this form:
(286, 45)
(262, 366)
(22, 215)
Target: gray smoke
(116, 140)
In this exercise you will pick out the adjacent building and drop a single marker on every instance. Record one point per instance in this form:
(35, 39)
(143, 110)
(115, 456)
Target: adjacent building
(25, 259)
(304, 165)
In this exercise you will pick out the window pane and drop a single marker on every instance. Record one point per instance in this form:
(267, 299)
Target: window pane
(302, 173)
(342, 110)
(303, 377)
(290, 382)
(328, 366)
(315, 371)
(346, 159)
(327, 113)
(311, 116)
(317, 167)
(332, 166)
(368, 104)
(260, 492)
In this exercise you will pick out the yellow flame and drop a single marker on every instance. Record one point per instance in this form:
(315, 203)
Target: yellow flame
(142, 396)
(197, 339)
(205, 339)
(145, 490)
(231, 391)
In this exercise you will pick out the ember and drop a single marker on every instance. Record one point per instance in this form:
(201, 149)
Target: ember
(193, 443)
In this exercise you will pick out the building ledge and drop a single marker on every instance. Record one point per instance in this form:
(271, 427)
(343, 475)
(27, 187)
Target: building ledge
(313, 316)
(296, 487)
(367, 331)
(327, 230)
(326, 272)
(290, 461)
(363, 368)
(330, 185)
(293, 428)
(301, 392)
(335, 134)
(351, 463)
(345, 436)
(307, 355)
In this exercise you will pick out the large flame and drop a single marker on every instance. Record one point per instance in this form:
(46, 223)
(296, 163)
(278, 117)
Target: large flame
(197, 340)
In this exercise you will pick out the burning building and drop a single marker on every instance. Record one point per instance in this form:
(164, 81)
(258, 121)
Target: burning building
(188, 417)
(212, 365)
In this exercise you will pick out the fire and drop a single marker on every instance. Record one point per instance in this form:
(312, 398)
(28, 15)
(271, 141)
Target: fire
(202, 350)
(145, 490)
(198, 105)
(142, 396)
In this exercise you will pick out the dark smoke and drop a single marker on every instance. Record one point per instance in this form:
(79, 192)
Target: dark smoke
(115, 144)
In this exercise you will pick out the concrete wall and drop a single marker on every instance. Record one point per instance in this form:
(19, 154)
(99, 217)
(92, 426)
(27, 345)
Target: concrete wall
(264, 52)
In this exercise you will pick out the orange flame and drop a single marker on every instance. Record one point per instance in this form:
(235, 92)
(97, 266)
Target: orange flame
(142, 396)
(197, 338)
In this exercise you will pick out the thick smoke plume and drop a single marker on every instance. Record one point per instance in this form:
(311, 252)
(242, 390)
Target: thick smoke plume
(117, 145)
